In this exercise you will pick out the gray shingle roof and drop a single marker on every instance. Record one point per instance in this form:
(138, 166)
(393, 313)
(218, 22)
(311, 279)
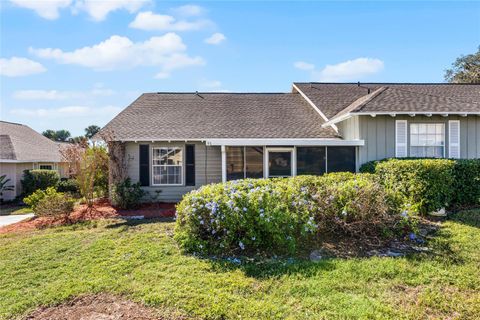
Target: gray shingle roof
(333, 98)
(164, 116)
(20, 142)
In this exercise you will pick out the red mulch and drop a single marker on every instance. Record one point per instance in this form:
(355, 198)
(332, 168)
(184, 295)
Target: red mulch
(102, 209)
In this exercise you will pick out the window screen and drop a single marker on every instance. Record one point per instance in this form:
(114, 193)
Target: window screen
(235, 163)
(340, 159)
(254, 162)
(310, 160)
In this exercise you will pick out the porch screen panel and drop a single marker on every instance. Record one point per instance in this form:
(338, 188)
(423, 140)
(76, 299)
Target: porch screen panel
(340, 159)
(235, 163)
(254, 162)
(311, 160)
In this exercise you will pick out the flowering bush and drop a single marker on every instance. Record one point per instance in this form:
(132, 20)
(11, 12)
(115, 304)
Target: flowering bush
(279, 215)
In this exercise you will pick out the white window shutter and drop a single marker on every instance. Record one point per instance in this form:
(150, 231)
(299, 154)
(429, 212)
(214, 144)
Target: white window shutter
(454, 139)
(400, 138)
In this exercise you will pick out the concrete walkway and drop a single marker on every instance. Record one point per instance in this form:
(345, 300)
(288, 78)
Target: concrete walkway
(6, 220)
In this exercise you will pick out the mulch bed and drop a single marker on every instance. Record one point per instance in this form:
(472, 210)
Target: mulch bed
(100, 307)
(102, 209)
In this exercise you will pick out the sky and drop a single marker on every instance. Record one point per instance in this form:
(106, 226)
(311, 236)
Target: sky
(67, 64)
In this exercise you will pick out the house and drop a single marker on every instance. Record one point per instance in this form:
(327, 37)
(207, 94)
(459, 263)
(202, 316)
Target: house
(176, 142)
(22, 148)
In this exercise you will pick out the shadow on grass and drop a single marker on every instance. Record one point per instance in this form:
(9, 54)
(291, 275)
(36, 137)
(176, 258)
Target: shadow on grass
(122, 222)
(467, 217)
(439, 244)
(270, 268)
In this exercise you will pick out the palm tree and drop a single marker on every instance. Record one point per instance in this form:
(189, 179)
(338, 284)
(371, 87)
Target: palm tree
(3, 186)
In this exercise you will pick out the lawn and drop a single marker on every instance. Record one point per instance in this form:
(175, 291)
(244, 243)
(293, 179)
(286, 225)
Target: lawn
(6, 210)
(141, 261)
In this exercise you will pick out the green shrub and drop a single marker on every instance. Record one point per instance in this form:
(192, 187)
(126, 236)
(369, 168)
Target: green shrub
(68, 186)
(49, 202)
(467, 183)
(281, 215)
(421, 185)
(39, 179)
(127, 195)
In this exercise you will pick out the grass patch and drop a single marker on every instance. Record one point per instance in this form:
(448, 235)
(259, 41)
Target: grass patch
(142, 261)
(7, 210)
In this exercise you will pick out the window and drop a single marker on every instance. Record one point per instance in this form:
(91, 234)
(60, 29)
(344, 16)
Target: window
(244, 162)
(340, 159)
(167, 166)
(311, 160)
(427, 140)
(46, 167)
(279, 163)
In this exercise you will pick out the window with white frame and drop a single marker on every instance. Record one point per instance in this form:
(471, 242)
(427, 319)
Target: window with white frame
(167, 166)
(427, 140)
(45, 167)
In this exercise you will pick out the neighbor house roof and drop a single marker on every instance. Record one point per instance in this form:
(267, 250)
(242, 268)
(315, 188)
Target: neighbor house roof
(344, 99)
(179, 116)
(20, 143)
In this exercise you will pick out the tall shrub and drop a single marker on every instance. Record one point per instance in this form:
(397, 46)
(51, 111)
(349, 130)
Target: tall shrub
(467, 183)
(422, 185)
(39, 179)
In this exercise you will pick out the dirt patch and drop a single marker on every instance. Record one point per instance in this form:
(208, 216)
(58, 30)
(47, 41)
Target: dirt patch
(102, 209)
(101, 307)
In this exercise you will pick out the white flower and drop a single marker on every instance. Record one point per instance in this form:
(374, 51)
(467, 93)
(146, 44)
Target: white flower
(241, 245)
(253, 238)
(245, 209)
(201, 222)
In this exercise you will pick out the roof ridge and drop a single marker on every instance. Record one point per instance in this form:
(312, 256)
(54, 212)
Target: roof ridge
(362, 101)
(214, 92)
(15, 123)
(432, 95)
(396, 83)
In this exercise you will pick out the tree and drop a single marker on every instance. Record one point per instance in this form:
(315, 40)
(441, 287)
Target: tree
(50, 134)
(59, 135)
(62, 135)
(90, 131)
(81, 140)
(466, 69)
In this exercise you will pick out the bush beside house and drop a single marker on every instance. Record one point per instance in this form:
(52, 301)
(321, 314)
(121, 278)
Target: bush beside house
(430, 184)
(39, 180)
(281, 215)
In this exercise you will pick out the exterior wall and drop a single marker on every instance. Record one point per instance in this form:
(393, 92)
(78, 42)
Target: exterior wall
(379, 134)
(208, 169)
(9, 169)
(14, 172)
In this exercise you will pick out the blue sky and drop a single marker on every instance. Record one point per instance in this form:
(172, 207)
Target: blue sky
(66, 64)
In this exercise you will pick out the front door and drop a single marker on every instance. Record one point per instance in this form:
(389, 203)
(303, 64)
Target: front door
(280, 162)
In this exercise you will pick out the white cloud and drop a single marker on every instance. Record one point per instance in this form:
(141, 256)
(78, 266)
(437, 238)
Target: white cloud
(117, 52)
(99, 9)
(189, 10)
(66, 112)
(304, 65)
(350, 70)
(48, 9)
(60, 95)
(160, 22)
(18, 67)
(215, 38)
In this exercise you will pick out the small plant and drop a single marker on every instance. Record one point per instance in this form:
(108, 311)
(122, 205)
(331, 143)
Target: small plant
(4, 186)
(68, 186)
(49, 202)
(127, 195)
(39, 179)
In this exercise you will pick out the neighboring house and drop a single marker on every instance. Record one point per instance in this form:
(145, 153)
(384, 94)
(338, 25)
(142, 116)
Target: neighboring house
(22, 148)
(176, 142)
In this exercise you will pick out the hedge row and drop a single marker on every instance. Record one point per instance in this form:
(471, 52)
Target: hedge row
(428, 185)
(279, 215)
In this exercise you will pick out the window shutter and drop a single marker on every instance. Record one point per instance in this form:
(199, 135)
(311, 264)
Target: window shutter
(144, 165)
(400, 138)
(454, 139)
(190, 165)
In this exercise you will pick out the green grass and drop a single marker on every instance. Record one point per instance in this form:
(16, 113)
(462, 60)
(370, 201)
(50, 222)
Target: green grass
(13, 210)
(142, 261)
